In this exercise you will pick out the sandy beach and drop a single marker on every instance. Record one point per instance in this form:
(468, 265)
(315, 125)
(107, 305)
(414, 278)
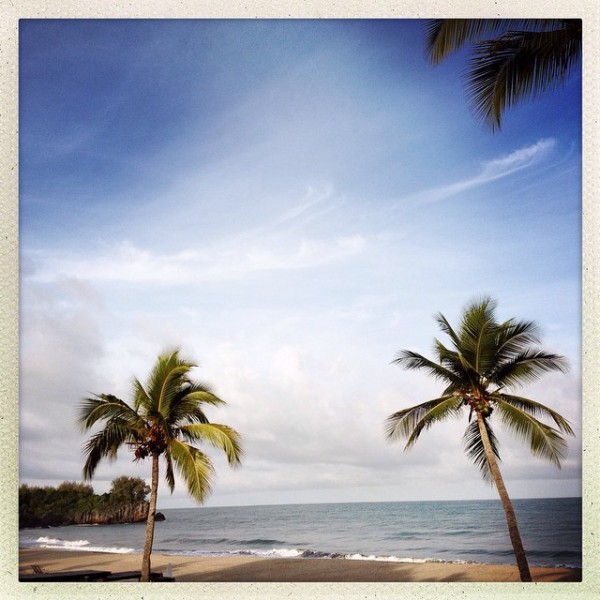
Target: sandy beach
(253, 569)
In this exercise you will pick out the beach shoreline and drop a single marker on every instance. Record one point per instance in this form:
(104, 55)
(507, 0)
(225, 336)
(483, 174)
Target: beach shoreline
(242, 569)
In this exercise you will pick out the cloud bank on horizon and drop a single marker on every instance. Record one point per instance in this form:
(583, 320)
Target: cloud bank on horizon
(289, 202)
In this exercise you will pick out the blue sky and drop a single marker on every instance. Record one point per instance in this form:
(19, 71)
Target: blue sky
(290, 202)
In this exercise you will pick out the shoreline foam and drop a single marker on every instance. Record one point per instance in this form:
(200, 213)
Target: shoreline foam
(240, 569)
(58, 544)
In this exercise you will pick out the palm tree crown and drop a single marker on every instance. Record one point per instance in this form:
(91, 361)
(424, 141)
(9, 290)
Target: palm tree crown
(526, 58)
(486, 358)
(166, 418)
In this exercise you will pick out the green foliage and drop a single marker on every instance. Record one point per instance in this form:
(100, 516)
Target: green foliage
(128, 489)
(512, 60)
(166, 416)
(73, 502)
(475, 449)
(484, 358)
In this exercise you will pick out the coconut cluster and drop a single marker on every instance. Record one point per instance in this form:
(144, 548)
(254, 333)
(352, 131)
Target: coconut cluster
(154, 443)
(478, 403)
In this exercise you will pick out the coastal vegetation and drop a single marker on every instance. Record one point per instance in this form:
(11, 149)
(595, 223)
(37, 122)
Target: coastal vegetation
(73, 503)
(165, 418)
(486, 359)
(526, 58)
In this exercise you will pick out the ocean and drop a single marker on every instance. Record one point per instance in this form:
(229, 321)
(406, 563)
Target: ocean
(472, 531)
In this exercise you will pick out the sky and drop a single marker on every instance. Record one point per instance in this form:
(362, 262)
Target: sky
(290, 203)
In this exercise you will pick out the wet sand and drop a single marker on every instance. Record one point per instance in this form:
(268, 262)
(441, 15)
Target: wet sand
(254, 569)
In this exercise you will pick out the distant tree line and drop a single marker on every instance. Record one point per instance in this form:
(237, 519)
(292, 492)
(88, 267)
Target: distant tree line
(75, 503)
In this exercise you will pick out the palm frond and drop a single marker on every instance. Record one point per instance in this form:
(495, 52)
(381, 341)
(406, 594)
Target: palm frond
(517, 66)
(478, 316)
(219, 436)
(449, 359)
(189, 412)
(414, 361)
(410, 422)
(469, 372)
(197, 386)
(476, 336)
(444, 36)
(475, 449)
(170, 388)
(535, 409)
(544, 441)
(200, 396)
(515, 336)
(187, 405)
(195, 468)
(103, 407)
(105, 444)
(483, 347)
(512, 338)
(169, 474)
(140, 397)
(527, 366)
(166, 380)
(446, 328)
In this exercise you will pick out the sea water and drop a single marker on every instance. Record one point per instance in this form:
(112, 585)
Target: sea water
(472, 531)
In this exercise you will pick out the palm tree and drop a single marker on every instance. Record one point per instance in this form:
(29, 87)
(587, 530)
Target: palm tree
(527, 58)
(487, 358)
(166, 417)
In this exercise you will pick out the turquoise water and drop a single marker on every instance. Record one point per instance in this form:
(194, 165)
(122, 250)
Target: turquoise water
(456, 531)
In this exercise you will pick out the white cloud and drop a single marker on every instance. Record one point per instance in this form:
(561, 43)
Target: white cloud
(517, 160)
(131, 264)
(492, 170)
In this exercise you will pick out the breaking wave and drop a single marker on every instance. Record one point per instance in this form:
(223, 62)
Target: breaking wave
(79, 545)
(301, 553)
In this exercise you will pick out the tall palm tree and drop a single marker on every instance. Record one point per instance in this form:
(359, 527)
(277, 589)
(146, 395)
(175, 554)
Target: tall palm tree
(166, 417)
(485, 360)
(526, 58)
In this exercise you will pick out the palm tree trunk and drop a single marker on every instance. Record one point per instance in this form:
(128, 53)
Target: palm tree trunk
(150, 522)
(511, 519)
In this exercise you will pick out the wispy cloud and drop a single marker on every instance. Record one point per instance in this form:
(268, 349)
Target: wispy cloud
(137, 265)
(517, 160)
(313, 197)
(492, 170)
